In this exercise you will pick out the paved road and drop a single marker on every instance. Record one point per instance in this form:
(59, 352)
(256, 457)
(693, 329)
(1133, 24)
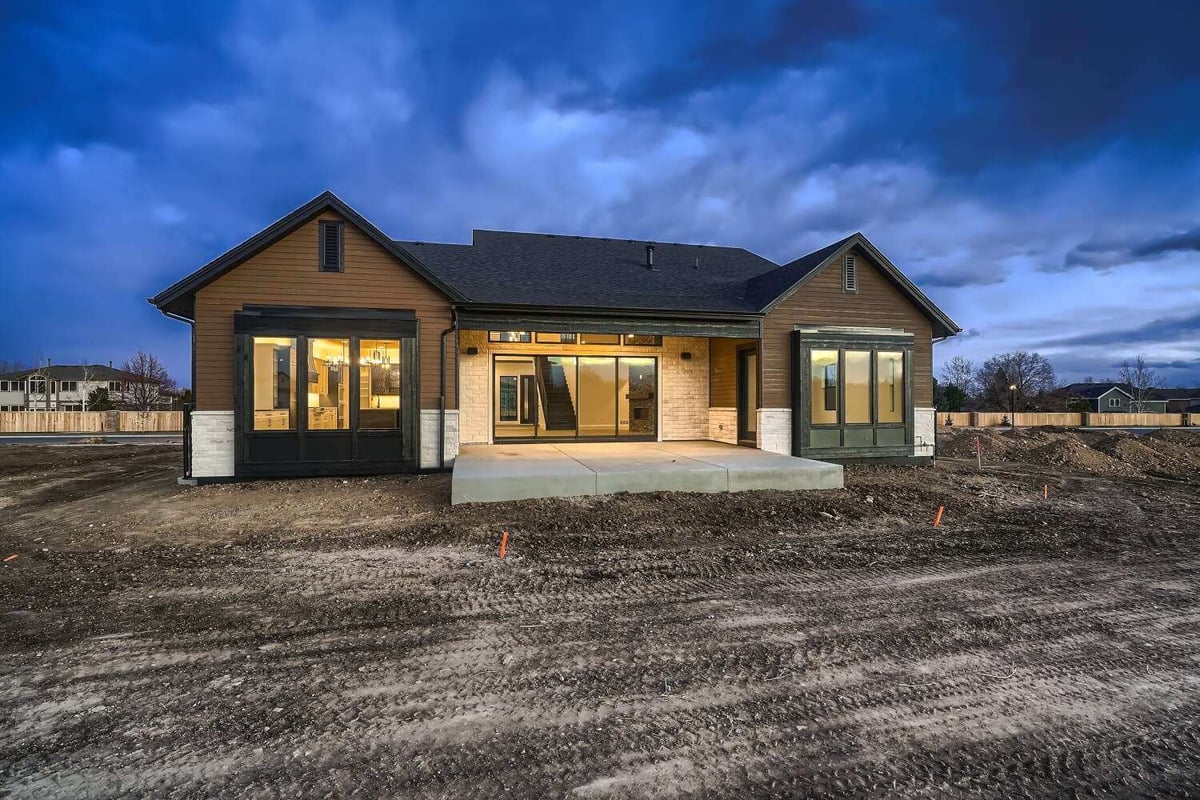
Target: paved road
(79, 438)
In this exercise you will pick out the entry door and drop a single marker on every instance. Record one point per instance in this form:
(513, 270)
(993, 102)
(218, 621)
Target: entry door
(747, 396)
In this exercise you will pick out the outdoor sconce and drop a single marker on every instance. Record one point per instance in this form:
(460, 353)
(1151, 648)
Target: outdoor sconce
(685, 355)
(472, 351)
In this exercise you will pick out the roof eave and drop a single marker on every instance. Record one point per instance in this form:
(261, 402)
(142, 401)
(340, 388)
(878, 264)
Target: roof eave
(168, 299)
(949, 327)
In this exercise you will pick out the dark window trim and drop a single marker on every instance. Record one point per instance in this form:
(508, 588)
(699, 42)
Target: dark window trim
(324, 227)
(658, 363)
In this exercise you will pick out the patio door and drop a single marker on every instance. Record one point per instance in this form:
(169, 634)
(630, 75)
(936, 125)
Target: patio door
(568, 397)
(747, 396)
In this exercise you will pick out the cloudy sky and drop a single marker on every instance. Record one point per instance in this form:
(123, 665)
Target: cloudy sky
(1034, 166)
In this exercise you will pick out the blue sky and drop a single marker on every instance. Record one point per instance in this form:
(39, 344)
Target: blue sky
(1033, 166)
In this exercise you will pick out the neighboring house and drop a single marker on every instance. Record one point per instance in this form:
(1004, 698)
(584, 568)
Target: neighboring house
(1114, 398)
(60, 388)
(322, 346)
(1178, 401)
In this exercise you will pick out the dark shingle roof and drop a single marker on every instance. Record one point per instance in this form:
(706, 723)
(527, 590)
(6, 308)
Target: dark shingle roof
(763, 289)
(1093, 390)
(508, 268)
(74, 372)
(1175, 394)
(559, 272)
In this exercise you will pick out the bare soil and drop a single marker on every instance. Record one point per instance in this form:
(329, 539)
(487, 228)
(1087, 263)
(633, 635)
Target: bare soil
(361, 638)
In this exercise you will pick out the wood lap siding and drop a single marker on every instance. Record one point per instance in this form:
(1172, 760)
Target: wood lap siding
(722, 375)
(287, 273)
(821, 301)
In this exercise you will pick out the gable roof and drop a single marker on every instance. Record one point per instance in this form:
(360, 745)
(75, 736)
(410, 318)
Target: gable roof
(509, 268)
(179, 298)
(73, 372)
(503, 268)
(1093, 391)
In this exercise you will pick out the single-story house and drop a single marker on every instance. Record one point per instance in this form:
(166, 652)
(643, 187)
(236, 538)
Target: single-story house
(323, 346)
(1178, 401)
(1114, 398)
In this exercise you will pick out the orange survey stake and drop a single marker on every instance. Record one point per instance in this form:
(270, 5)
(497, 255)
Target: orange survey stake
(503, 543)
(938, 519)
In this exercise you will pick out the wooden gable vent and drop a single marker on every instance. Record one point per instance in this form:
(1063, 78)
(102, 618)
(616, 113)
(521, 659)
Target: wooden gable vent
(849, 274)
(331, 246)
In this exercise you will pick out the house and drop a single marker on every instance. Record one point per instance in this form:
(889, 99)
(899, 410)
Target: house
(322, 346)
(1114, 398)
(1178, 401)
(60, 388)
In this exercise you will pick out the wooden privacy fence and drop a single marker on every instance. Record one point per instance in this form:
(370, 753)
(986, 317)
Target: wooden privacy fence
(90, 421)
(993, 419)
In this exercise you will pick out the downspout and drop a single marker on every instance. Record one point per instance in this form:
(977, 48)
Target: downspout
(442, 388)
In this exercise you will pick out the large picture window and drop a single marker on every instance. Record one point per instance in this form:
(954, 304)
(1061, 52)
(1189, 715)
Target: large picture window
(824, 387)
(328, 384)
(274, 387)
(857, 368)
(889, 386)
(379, 384)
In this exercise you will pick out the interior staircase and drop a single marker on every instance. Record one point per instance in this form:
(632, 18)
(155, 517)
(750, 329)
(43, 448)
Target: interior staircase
(556, 396)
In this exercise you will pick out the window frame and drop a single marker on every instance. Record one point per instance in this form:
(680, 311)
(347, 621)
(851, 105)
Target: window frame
(324, 226)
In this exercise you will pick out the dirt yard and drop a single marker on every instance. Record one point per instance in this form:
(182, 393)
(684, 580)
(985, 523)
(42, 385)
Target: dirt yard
(360, 638)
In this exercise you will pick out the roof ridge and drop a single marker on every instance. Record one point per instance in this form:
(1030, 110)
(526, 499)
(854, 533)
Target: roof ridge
(655, 242)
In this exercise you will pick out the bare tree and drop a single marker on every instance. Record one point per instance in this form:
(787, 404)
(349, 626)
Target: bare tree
(960, 372)
(1142, 380)
(7, 366)
(149, 384)
(1030, 374)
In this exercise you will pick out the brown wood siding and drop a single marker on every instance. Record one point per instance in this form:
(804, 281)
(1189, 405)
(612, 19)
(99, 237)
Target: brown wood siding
(821, 301)
(722, 371)
(286, 273)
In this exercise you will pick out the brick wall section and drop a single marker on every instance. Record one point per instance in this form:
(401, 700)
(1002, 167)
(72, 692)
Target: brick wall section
(722, 425)
(682, 384)
(924, 426)
(474, 387)
(212, 444)
(775, 430)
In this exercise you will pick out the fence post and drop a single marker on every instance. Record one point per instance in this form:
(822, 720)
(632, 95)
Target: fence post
(973, 420)
(1085, 419)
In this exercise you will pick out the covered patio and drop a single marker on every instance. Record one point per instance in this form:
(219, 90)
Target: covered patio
(493, 473)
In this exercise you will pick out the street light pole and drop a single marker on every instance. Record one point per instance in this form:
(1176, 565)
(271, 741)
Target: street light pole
(1012, 406)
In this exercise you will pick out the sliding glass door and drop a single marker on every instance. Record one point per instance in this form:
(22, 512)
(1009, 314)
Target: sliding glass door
(574, 397)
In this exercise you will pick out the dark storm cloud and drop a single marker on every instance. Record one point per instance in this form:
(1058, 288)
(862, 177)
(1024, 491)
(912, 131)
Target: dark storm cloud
(744, 42)
(1158, 331)
(1106, 255)
(970, 142)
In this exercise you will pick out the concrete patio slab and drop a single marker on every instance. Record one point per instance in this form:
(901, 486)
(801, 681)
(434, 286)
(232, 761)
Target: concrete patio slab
(749, 468)
(492, 473)
(646, 467)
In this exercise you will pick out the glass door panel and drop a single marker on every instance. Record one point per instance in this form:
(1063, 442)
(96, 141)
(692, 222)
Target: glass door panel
(558, 396)
(637, 397)
(515, 391)
(597, 396)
